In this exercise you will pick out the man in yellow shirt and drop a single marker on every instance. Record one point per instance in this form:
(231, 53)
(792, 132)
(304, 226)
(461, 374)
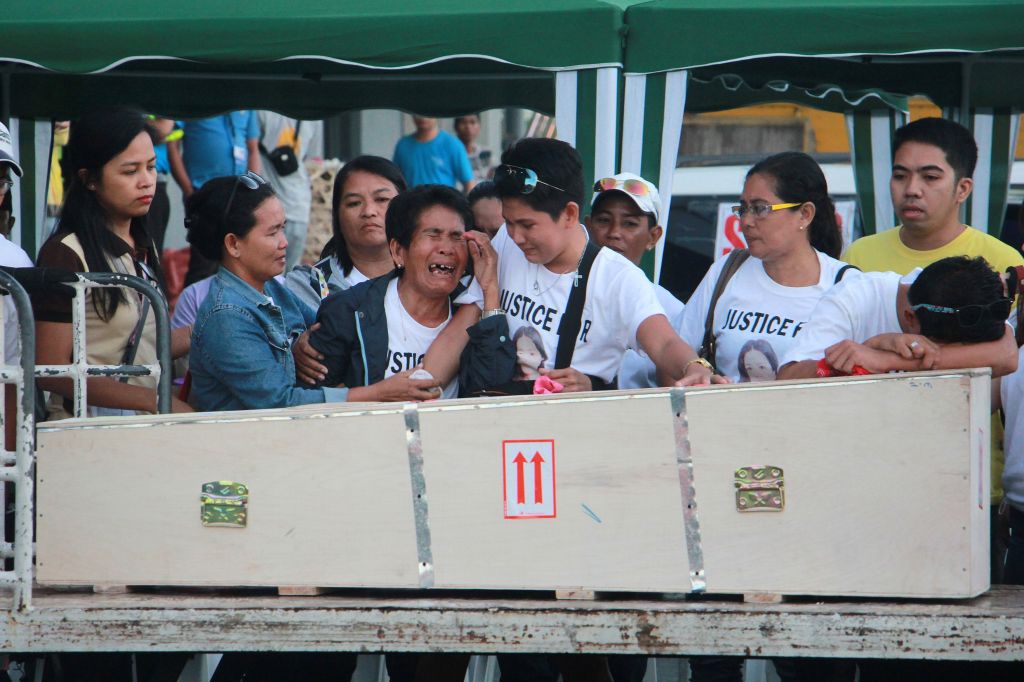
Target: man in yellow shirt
(933, 161)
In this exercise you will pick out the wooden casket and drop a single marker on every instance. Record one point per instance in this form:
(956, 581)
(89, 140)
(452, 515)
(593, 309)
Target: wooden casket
(871, 486)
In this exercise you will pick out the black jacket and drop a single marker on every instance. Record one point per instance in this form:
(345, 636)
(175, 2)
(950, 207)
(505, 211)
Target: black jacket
(353, 337)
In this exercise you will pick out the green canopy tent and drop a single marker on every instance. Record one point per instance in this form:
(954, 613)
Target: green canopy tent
(310, 59)
(963, 54)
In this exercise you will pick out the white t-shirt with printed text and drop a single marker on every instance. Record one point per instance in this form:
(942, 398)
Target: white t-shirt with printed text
(637, 370)
(856, 310)
(619, 298)
(756, 317)
(408, 340)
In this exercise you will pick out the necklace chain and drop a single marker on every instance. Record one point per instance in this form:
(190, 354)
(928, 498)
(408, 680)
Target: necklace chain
(558, 277)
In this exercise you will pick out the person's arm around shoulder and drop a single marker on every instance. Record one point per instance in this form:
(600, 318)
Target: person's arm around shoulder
(1001, 355)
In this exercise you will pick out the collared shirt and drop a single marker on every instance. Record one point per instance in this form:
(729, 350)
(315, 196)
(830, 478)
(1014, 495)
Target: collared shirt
(241, 357)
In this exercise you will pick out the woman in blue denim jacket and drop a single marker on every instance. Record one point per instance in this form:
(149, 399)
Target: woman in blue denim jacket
(241, 343)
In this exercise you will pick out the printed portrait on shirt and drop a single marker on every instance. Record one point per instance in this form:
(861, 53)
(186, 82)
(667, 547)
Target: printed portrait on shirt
(757, 361)
(530, 353)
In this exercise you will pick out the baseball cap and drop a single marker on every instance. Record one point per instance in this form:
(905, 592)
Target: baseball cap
(7, 150)
(643, 193)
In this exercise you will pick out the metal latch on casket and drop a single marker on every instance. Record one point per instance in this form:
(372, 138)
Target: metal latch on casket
(760, 488)
(224, 503)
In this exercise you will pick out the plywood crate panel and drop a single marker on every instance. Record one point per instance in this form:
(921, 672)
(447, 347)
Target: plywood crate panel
(886, 489)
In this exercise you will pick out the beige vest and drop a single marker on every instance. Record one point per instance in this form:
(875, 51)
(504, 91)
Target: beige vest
(105, 341)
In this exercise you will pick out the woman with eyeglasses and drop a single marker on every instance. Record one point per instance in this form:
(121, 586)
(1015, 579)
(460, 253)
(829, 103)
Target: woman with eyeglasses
(102, 229)
(793, 242)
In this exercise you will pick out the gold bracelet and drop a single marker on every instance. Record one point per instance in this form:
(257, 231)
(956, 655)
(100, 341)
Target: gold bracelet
(699, 361)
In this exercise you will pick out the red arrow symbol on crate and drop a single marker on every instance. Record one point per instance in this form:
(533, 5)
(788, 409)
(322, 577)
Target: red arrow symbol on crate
(520, 484)
(538, 483)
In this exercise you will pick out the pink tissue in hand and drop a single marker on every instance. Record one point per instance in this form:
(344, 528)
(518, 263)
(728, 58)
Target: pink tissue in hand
(545, 385)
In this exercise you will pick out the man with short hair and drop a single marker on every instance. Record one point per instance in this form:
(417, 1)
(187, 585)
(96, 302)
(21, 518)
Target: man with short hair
(467, 129)
(430, 156)
(933, 164)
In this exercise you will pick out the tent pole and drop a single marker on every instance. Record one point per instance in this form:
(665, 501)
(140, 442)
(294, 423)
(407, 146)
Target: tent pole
(5, 97)
(965, 92)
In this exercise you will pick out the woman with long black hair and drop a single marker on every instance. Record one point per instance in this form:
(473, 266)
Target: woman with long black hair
(102, 229)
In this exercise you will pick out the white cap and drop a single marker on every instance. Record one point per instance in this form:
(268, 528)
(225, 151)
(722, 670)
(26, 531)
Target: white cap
(7, 150)
(648, 203)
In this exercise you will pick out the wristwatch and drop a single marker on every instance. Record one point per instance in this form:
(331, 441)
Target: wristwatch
(491, 313)
(699, 361)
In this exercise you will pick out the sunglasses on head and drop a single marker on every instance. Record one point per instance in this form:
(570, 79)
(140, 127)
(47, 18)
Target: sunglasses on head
(971, 315)
(525, 178)
(250, 180)
(637, 188)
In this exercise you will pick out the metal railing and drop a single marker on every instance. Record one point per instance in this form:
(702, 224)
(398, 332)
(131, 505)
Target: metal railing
(18, 465)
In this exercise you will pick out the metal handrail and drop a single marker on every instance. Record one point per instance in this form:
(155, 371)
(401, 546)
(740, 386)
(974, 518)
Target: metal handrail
(23, 461)
(80, 369)
(24, 453)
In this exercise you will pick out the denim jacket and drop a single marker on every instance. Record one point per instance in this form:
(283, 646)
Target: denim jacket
(241, 357)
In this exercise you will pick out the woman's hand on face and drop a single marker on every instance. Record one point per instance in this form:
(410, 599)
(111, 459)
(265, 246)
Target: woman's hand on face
(485, 259)
(572, 380)
(307, 359)
(400, 388)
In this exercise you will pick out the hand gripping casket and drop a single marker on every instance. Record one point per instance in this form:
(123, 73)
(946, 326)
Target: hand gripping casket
(873, 486)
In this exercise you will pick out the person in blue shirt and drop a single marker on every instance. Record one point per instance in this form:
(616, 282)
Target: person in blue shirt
(209, 148)
(241, 342)
(431, 156)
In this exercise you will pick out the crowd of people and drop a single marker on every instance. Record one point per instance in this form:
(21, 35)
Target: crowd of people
(531, 283)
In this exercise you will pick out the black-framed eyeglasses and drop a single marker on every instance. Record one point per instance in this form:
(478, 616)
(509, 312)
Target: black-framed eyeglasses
(248, 179)
(971, 315)
(525, 178)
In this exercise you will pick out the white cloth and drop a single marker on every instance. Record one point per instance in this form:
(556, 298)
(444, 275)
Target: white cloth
(408, 340)
(619, 299)
(13, 256)
(858, 309)
(755, 317)
(1011, 393)
(637, 370)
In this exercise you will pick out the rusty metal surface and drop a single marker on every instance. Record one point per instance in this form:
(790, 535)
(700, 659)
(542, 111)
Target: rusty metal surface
(988, 628)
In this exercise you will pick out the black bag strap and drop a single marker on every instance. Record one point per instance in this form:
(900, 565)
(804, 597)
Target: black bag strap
(572, 318)
(293, 145)
(842, 271)
(132, 349)
(733, 261)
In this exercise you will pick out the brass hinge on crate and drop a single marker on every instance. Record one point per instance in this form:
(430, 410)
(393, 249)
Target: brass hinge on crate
(760, 488)
(224, 503)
